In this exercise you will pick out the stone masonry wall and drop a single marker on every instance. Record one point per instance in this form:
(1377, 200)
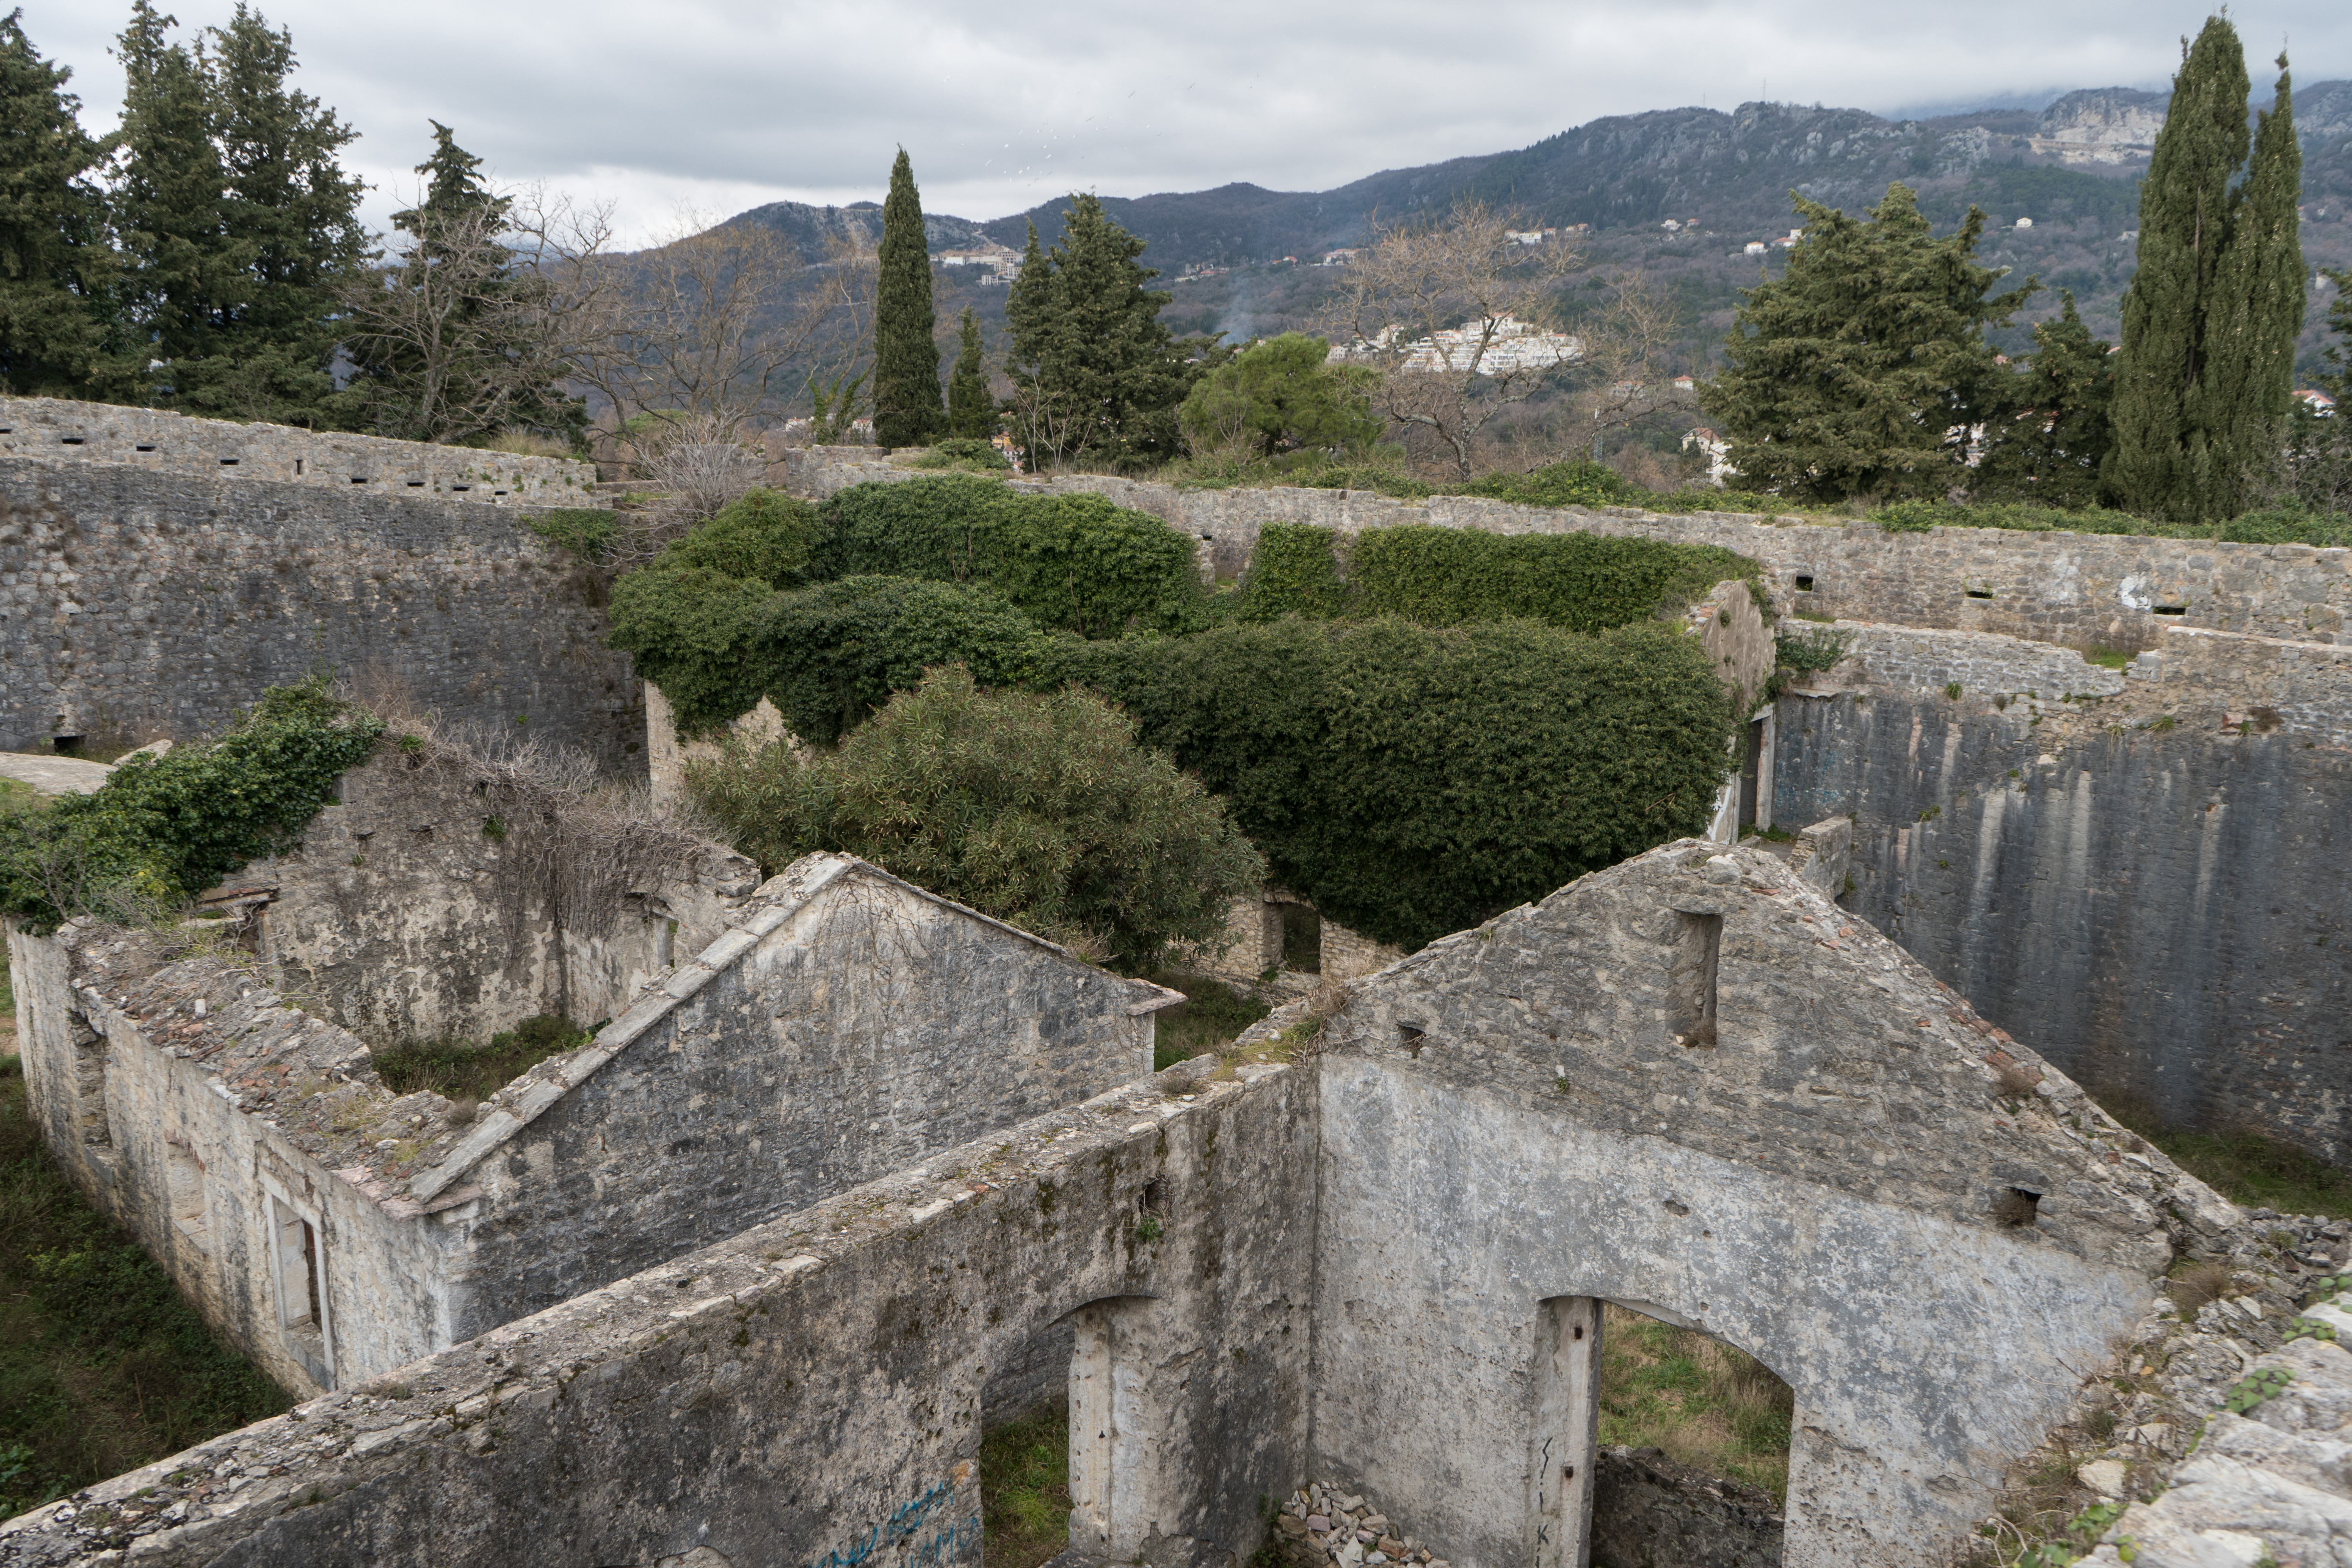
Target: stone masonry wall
(810, 1392)
(1523, 1113)
(145, 604)
(2134, 871)
(154, 1085)
(863, 1026)
(60, 431)
(2077, 589)
(447, 897)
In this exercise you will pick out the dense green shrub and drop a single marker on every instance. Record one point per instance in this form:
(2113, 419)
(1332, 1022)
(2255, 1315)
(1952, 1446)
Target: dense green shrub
(824, 656)
(163, 829)
(970, 453)
(1073, 563)
(763, 534)
(1578, 483)
(1280, 393)
(1293, 570)
(1452, 577)
(1038, 809)
(585, 530)
(1413, 781)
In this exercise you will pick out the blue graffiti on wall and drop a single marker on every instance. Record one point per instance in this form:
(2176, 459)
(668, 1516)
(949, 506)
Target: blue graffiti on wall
(908, 1521)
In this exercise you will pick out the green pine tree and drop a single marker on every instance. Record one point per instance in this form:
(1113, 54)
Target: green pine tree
(907, 409)
(2047, 439)
(448, 337)
(2211, 317)
(239, 225)
(1095, 371)
(1861, 370)
(971, 413)
(54, 265)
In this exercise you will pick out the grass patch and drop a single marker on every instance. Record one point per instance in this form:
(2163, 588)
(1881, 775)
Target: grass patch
(459, 1069)
(104, 1367)
(1707, 1405)
(1024, 1489)
(1211, 1014)
(2106, 658)
(2256, 1172)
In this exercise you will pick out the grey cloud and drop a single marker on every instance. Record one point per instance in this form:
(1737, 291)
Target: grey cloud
(1002, 107)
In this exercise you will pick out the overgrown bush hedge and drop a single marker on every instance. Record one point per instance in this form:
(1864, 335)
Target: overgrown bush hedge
(163, 829)
(1414, 780)
(1452, 577)
(825, 656)
(1074, 563)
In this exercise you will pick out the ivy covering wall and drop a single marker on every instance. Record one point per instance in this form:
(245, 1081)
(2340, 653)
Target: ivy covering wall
(163, 829)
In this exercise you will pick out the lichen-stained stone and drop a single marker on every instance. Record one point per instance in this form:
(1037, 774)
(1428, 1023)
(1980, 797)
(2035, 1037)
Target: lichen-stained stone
(1691, 1084)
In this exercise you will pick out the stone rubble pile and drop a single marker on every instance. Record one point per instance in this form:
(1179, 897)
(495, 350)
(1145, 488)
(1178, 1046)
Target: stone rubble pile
(1346, 1530)
(2228, 1430)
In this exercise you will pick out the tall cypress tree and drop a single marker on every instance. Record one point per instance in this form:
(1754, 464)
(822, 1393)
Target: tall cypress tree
(907, 408)
(2210, 319)
(238, 224)
(54, 265)
(970, 411)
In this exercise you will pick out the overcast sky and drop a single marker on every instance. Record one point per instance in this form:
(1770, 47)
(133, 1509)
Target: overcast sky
(677, 108)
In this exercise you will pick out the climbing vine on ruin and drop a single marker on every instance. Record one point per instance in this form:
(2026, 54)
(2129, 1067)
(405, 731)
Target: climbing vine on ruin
(163, 829)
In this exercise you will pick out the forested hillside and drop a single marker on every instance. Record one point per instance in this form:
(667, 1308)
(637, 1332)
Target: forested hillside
(2072, 168)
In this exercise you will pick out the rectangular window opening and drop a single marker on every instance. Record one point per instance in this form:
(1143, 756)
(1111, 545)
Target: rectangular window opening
(148, 446)
(90, 1083)
(2172, 609)
(73, 440)
(1805, 583)
(297, 467)
(300, 1265)
(1698, 940)
(229, 462)
(66, 746)
(359, 478)
(417, 484)
(1980, 593)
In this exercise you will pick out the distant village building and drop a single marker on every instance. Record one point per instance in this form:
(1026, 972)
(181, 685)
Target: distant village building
(1715, 448)
(1756, 247)
(1685, 384)
(1671, 225)
(2319, 402)
(1339, 257)
(1529, 236)
(1000, 264)
(1509, 344)
(2026, 223)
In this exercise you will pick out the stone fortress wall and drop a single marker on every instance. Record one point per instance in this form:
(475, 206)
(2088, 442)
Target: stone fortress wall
(141, 601)
(58, 430)
(2067, 588)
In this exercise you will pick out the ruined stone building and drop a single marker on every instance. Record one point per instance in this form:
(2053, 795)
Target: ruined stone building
(847, 1169)
(768, 1046)
(1690, 1084)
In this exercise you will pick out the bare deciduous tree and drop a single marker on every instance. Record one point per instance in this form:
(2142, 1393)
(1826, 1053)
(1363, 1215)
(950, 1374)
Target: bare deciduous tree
(709, 324)
(1457, 316)
(1626, 367)
(458, 335)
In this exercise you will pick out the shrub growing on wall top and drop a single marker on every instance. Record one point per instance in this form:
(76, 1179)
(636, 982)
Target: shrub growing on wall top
(1453, 576)
(1039, 809)
(825, 656)
(1072, 564)
(163, 829)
